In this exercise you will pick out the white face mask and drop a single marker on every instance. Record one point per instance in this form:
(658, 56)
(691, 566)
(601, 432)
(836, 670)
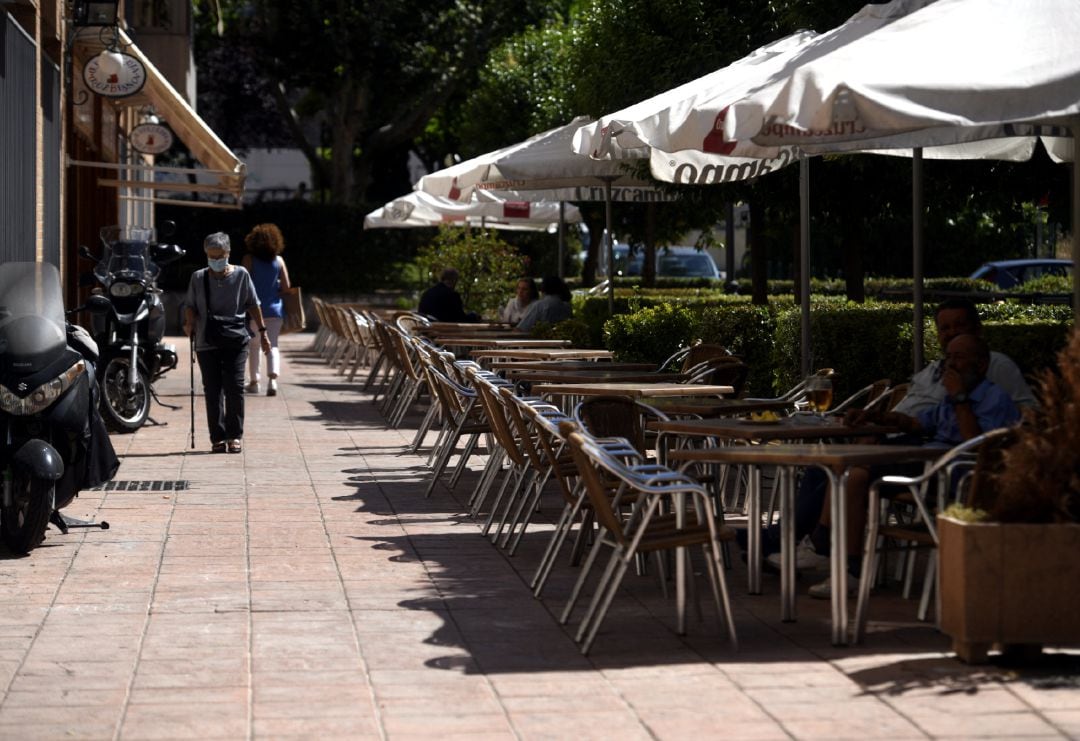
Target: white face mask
(218, 266)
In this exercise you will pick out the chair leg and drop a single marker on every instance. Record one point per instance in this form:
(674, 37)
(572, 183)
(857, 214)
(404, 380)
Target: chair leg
(609, 594)
(602, 586)
(564, 618)
(562, 527)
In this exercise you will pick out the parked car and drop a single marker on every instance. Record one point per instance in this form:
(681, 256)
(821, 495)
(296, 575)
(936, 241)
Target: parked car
(1009, 273)
(674, 262)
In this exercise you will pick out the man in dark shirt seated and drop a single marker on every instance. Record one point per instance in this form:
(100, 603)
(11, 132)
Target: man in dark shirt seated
(442, 301)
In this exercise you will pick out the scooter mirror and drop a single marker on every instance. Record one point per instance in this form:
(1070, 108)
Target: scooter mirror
(84, 251)
(98, 304)
(166, 253)
(167, 229)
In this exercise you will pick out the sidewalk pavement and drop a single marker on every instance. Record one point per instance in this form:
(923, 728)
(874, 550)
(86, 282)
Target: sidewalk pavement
(306, 589)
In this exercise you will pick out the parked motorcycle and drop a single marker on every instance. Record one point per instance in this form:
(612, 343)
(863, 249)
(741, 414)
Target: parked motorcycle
(130, 335)
(54, 442)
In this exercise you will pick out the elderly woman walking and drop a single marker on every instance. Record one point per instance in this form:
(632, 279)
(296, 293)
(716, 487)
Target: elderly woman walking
(219, 299)
(271, 278)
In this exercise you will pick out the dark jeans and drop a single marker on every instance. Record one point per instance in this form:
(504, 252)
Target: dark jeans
(223, 386)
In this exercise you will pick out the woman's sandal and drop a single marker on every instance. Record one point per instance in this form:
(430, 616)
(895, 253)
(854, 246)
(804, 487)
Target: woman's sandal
(235, 446)
(218, 447)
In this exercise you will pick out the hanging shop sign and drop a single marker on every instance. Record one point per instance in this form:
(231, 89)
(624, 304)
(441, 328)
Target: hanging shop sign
(151, 138)
(114, 74)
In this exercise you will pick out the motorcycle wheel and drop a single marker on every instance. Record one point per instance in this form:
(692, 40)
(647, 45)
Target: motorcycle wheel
(23, 524)
(124, 411)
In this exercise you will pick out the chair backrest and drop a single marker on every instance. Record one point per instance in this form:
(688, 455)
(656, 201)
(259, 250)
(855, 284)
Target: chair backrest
(697, 354)
(725, 370)
(896, 395)
(616, 416)
(864, 398)
(588, 457)
(982, 492)
(497, 417)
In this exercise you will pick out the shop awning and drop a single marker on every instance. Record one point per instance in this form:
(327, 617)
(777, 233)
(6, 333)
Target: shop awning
(224, 172)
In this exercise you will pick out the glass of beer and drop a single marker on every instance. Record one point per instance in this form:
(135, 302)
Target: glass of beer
(819, 393)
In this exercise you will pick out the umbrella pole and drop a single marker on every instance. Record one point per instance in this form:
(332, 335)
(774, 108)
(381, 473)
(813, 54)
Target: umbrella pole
(610, 248)
(917, 217)
(804, 262)
(1076, 217)
(562, 237)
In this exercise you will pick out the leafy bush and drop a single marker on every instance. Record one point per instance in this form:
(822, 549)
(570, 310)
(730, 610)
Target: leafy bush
(574, 330)
(1038, 480)
(650, 335)
(487, 265)
(1046, 284)
(747, 331)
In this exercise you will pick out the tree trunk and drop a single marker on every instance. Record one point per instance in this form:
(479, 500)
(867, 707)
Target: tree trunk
(854, 274)
(648, 265)
(594, 219)
(759, 267)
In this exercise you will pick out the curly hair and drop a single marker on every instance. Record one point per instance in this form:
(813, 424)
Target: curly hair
(265, 242)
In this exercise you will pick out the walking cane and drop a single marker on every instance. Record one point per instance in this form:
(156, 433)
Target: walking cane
(192, 369)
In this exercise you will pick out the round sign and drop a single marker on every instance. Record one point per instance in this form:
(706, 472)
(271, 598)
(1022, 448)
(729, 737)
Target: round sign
(150, 138)
(114, 74)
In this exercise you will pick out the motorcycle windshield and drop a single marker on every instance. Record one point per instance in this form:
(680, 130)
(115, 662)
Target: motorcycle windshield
(31, 317)
(127, 254)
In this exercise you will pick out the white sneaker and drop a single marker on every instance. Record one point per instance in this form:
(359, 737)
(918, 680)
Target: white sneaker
(823, 590)
(806, 558)
(271, 387)
(252, 388)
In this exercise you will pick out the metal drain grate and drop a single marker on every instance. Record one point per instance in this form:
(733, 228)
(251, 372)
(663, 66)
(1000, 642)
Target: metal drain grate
(144, 485)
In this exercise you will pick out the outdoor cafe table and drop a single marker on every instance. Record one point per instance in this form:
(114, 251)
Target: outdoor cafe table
(797, 428)
(631, 390)
(594, 375)
(511, 367)
(540, 353)
(717, 407)
(522, 342)
(836, 461)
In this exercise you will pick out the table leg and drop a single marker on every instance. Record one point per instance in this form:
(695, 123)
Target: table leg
(838, 555)
(753, 532)
(787, 547)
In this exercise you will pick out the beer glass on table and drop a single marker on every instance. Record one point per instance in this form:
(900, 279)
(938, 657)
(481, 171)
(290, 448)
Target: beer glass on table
(819, 393)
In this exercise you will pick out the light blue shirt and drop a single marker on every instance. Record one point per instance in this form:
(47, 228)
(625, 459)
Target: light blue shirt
(992, 406)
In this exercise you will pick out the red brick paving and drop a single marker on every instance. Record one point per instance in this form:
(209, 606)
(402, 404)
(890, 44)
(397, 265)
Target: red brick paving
(306, 589)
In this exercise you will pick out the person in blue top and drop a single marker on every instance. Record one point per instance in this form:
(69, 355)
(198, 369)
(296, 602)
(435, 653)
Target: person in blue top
(267, 268)
(973, 404)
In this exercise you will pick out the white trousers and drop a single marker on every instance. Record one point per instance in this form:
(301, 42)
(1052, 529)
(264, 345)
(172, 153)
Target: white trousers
(273, 360)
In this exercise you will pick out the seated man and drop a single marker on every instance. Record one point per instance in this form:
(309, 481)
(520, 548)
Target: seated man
(951, 318)
(443, 303)
(971, 406)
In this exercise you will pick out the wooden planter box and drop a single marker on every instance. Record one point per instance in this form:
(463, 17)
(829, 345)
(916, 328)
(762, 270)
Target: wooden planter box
(1008, 584)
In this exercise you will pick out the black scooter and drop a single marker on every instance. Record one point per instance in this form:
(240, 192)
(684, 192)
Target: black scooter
(130, 334)
(54, 443)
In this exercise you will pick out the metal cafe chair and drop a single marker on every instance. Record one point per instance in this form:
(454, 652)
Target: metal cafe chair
(646, 530)
(885, 524)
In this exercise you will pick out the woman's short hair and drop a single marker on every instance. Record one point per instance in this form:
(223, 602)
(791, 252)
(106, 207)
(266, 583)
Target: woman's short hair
(216, 241)
(265, 242)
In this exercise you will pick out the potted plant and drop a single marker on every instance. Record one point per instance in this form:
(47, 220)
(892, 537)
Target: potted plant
(1009, 565)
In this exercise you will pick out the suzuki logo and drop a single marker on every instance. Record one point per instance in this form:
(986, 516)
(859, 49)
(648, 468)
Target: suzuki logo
(23, 386)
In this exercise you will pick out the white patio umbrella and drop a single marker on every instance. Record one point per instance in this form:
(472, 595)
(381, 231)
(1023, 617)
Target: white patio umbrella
(419, 209)
(954, 71)
(546, 166)
(693, 119)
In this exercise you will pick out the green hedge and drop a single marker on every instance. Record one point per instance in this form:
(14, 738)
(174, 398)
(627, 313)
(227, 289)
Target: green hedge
(862, 342)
